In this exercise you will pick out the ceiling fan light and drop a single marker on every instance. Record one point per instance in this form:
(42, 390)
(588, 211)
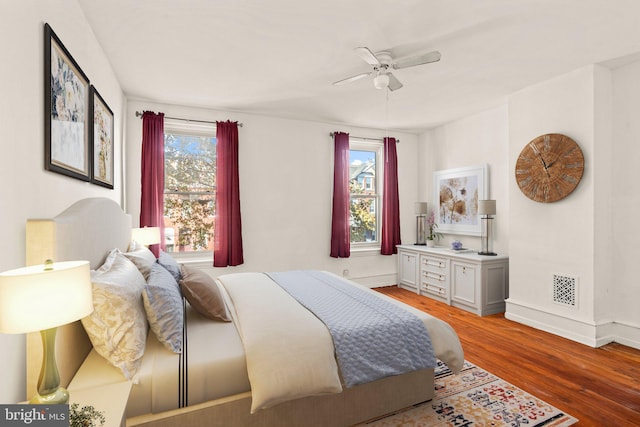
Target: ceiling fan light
(381, 81)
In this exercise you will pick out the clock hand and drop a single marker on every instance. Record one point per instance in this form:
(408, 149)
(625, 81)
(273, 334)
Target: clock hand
(544, 164)
(537, 153)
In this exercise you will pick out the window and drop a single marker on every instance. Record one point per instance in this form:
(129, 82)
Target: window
(189, 186)
(365, 173)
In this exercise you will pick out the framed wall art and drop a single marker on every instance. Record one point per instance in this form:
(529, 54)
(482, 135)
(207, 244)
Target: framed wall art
(102, 140)
(66, 111)
(456, 194)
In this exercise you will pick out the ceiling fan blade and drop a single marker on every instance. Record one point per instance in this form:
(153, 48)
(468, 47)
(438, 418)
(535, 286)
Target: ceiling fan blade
(367, 56)
(352, 78)
(417, 60)
(394, 83)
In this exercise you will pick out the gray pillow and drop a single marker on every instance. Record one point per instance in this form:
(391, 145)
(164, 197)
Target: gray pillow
(163, 305)
(170, 264)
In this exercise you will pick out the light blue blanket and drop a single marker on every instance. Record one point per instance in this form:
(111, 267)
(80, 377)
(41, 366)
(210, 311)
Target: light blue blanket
(373, 338)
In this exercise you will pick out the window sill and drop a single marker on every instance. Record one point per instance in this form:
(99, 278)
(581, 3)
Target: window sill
(198, 259)
(365, 251)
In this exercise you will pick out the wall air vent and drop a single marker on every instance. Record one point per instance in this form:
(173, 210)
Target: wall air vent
(565, 290)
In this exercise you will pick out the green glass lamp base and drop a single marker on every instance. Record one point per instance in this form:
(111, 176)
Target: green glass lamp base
(59, 396)
(49, 390)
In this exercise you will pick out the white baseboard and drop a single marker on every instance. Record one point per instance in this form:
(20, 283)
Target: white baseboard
(376, 281)
(584, 332)
(627, 334)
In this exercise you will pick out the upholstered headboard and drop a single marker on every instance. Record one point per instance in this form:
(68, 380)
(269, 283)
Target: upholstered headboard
(86, 230)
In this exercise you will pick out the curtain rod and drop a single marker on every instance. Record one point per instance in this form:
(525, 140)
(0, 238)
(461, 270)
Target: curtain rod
(366, 139)
(139, 114)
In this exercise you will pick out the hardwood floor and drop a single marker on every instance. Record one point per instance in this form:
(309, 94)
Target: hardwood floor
(600, 387)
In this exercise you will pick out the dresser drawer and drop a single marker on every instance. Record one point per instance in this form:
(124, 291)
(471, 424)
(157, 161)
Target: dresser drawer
(439, 289)
(433, 276)
(434, 264)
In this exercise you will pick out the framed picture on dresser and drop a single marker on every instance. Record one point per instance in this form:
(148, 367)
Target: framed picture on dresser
(456, 194)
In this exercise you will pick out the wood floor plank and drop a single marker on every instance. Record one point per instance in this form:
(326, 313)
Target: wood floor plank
(598, 386)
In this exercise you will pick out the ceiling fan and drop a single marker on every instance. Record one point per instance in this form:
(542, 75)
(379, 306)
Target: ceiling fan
(383, 63)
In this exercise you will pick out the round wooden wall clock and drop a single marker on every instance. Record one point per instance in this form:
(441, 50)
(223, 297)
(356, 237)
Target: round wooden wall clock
(549, 168)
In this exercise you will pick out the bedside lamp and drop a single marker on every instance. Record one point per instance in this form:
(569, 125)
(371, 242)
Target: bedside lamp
(41, 298)
(421, 223)
(146, 236)
(486, 208)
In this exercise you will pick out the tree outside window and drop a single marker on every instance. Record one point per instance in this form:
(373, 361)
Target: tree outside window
(189, 196)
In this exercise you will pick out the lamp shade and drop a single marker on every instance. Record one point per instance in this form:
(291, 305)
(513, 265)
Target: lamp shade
(487, 207)
(146, 236)
(44, 296)
(421, 208)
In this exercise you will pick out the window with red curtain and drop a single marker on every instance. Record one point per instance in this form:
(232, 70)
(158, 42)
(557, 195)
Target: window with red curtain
(152, 188)
(228, 225)
(340, 238)
(390, 200)
(354, 212)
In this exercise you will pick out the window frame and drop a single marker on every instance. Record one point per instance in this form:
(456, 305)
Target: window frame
(360, 144)
(184, 127)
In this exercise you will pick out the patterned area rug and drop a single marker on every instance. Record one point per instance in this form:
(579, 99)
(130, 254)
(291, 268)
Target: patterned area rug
(476, 398)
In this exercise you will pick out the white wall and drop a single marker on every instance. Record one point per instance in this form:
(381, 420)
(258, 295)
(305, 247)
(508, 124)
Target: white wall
(571, 237)
(553, 238)
(286, 178)
(604, 313)
(626, 202)
(474, 140)
(28, 191)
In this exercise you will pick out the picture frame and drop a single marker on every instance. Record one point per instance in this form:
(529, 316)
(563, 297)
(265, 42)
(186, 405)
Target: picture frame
(66, 111)
(456, 194)
(101, 131)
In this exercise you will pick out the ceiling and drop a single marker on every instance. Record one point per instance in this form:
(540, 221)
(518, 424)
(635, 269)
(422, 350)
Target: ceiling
(279, 57)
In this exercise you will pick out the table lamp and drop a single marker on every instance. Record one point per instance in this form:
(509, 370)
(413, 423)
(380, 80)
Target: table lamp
(41, 298)
(146, 236)
(486, 208)
(421, 223)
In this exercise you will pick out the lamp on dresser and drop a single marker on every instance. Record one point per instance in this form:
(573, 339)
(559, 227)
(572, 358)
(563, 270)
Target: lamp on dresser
(41, 298)
(486, 208)
(421, 223)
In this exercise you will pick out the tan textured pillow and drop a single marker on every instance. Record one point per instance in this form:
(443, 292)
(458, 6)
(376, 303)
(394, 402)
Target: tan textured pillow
(203, 294)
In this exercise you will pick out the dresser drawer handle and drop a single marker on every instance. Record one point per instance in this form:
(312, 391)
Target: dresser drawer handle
(438, 264)
(430, 275)
(434, 289)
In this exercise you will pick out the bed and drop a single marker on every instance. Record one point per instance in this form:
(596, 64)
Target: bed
(214, 388)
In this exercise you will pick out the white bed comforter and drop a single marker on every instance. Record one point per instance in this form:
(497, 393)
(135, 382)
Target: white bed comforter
(290, 352)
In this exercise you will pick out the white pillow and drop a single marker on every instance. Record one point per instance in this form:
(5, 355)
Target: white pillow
(163, 304)
(118, 326)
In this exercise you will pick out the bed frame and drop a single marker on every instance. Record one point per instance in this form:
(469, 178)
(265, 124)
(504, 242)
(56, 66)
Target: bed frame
(88, 230)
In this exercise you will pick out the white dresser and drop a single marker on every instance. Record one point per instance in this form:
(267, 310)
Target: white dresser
(476, 283)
